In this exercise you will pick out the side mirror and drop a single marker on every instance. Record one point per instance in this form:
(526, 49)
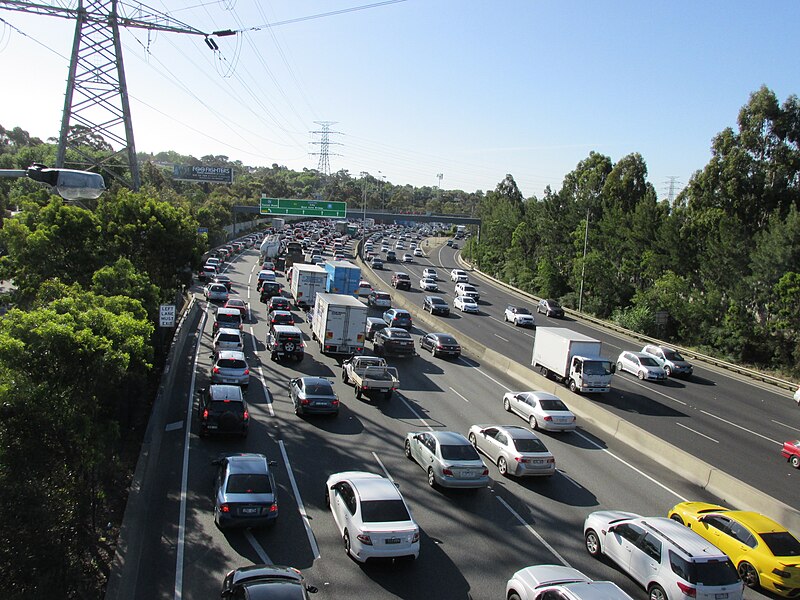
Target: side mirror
(272, 463)
(311, 589)
(613, 368)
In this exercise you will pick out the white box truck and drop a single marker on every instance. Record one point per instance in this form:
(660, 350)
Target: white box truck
(306, 281)
(338, 324)
(573, 359)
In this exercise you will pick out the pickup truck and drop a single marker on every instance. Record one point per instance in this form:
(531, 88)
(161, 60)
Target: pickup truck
(370, 375)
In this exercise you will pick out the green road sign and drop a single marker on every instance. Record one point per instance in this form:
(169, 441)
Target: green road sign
(303, 208)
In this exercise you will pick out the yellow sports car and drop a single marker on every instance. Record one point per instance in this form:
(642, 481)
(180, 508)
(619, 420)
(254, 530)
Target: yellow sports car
(765, 553)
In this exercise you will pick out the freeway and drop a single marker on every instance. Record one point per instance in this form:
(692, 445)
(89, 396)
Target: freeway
(471, 542)
(730, 422)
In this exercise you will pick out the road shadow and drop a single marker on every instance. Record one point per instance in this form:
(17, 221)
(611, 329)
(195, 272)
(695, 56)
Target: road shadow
(634, 402)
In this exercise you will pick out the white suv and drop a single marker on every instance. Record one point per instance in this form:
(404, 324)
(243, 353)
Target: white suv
(459, 276)
(557, 582)
(669, 560)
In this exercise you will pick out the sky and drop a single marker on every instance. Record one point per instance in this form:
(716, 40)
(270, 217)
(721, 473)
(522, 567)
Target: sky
(472, 90)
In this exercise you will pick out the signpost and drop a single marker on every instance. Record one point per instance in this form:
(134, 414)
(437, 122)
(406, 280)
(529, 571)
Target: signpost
(303, 208)
(166, 315)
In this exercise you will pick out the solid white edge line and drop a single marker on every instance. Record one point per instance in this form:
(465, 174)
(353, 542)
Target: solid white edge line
(697, 432)
(265, 559)
(630, 466)
(181, 542)
(266, 392)
(380, 462)
(459, 395)
(311, 539)
(533, 531)
(411, 408)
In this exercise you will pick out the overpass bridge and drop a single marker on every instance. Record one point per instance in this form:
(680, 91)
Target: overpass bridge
(378, 215)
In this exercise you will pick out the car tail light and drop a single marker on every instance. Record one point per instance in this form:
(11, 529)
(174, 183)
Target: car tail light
(335, 402)
(205, 413)
(304, 402)
(246, 415)
(224, 508)
(415, 537)
(519, 459)
(548, 418)
(447, 472)
(216, 369)
(364, 539)
(274, 507)
(247, 371)
(687, 590)
(485, 472)
(551, 460)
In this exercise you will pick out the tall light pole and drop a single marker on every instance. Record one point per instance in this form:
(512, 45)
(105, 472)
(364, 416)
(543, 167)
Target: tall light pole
(364, 174)
(383, 185)
(583, 266)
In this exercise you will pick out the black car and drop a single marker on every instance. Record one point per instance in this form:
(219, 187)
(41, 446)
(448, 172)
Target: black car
(278, 303)
(401, 281)
(266, 581)
(441, 344)
(393, 340)
(285, 341)
(222, 410)
(270, 289)
(436, 305)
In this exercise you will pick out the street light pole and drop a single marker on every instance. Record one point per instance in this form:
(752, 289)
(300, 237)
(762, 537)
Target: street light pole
(364, 174)
(583, 266)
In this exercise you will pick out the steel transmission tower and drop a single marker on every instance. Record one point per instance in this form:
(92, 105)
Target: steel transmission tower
(324, 142)
(673, 181)
(96, 103)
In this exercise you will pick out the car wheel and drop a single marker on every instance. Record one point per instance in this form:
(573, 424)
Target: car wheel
(274, 356)
(593, 543)
(502, 466)
(748, 574)
(677, 518)
(407, 449)
(533, 422)
(573, 387)
(506, 405)
(641, 375)
(668, 370)
(357, 392)
(656, 592)
(505, 318)
(619, 366)
(344, 376)
(431, 477)
(346, 540)
(796, 462)
(514, 596)
(433, 351)
(472, 440)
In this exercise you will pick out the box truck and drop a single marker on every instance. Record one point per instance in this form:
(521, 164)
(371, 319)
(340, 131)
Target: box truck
(338, 324)
(573, 359)
(343, 277)
(306, 282)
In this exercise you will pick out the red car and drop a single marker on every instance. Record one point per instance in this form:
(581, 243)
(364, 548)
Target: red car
(791, 452)
(238, 304)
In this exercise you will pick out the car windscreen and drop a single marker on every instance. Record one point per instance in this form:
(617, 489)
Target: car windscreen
(552, 405)
(382, 511)
(231, 363)
(781, 543)
(647, 361)
(596, 367)
(459, 452)
(529, 445)
(553, 304)
(248, 483)
(523, 311)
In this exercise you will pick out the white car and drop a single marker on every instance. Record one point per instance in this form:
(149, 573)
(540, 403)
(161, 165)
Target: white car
(466, 304)
(407, 258)
(467, 289)
(541, 410)
(372, 517)
(399, 246)
(429, 273)
(642, 365)
(364, 289)
(519, 316)
(459, 276)
(216, 292)
(418, 252)
(228, 339)
(428, 285)
(545, 582)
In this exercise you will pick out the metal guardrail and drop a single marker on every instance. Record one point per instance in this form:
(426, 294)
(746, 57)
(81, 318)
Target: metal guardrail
(734, 368)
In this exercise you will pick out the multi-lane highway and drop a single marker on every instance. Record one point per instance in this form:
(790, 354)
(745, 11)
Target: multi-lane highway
(471, 542)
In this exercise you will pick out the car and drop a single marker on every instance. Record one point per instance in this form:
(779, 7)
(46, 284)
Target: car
(230, 366)
(371, 516)
(454, 245)
(280, 317)
(519, 316)
(791, 452)
(391, 256)
(374, 324)
(796, 396)
(407, 258)
(223, 279)
(364, 289)
(670, 360)
(313, 395)
(376, 263)
(214, 262)
(764, 552)
(466, 304)
(428, 285)
(316, 259)
(268, 265)
(430, 273)
(398, 317)
(207, 273)
(384, 248)
(436, 305)
(541, 410)
(668, 560)
(515, 450)
(227, 317)
(285, 341)
(379, 299)
(550, 308)
(222, 410)
(448, 458)
(228, 339)
(245, 494)
(401, 281)
(266, 581)
(459, 276)
(264, 276)
(450, 243)
(557, 582)
(418, 252)
(442, 344)
(642, 365)
(270, 289)
(238, 304)
(278, 303)
(216, 292)
(393, 340)
(466, 289)
(399, 246)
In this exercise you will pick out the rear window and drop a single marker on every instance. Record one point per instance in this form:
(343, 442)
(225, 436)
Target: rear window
(404, 335)
(228, 337)
(381, 511)
(460, 452)
(438, 301)
(320, 389)
(552, 405)
(710, 573)
(224, 318)
(781, 543)
(382, 296)
(289, 337)
(231, 363)
(227, 406)
(529, 445)
(447, 339)
(248, 483)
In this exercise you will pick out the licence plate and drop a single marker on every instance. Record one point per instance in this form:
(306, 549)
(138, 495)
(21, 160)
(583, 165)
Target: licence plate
(397, 541)
(228, 381)
(720, 596)
(249, 511)
(320, 403)
(212, 426)
(563, 420)
(538, 462)
(467, 474)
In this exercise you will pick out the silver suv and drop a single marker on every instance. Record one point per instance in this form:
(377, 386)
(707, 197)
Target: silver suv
(670, 360)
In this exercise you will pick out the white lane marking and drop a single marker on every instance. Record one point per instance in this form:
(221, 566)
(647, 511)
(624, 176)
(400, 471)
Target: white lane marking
(649, 388)
(506, 388)
(173, 426)
(262, 555)
(413, 410)
(248, 297)
(255, 343)
(266, 391)
(380, 462)
(630, 466)
(507, 324)
(459, 395)
(311, 539)
(185, 471)
(253, 268)
(785, 425)
(697, 432)
(533, 531)
(732, 424)
(501, 337)
(570, 479)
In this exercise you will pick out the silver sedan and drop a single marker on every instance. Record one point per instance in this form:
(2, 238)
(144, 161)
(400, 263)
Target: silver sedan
(541, 410)
(448, 458)
(515, 450)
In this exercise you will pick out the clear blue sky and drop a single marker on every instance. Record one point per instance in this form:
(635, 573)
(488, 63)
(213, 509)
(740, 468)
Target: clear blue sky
(470, 89)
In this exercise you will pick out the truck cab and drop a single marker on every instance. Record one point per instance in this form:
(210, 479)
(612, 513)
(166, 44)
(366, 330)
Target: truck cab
(590, 374)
